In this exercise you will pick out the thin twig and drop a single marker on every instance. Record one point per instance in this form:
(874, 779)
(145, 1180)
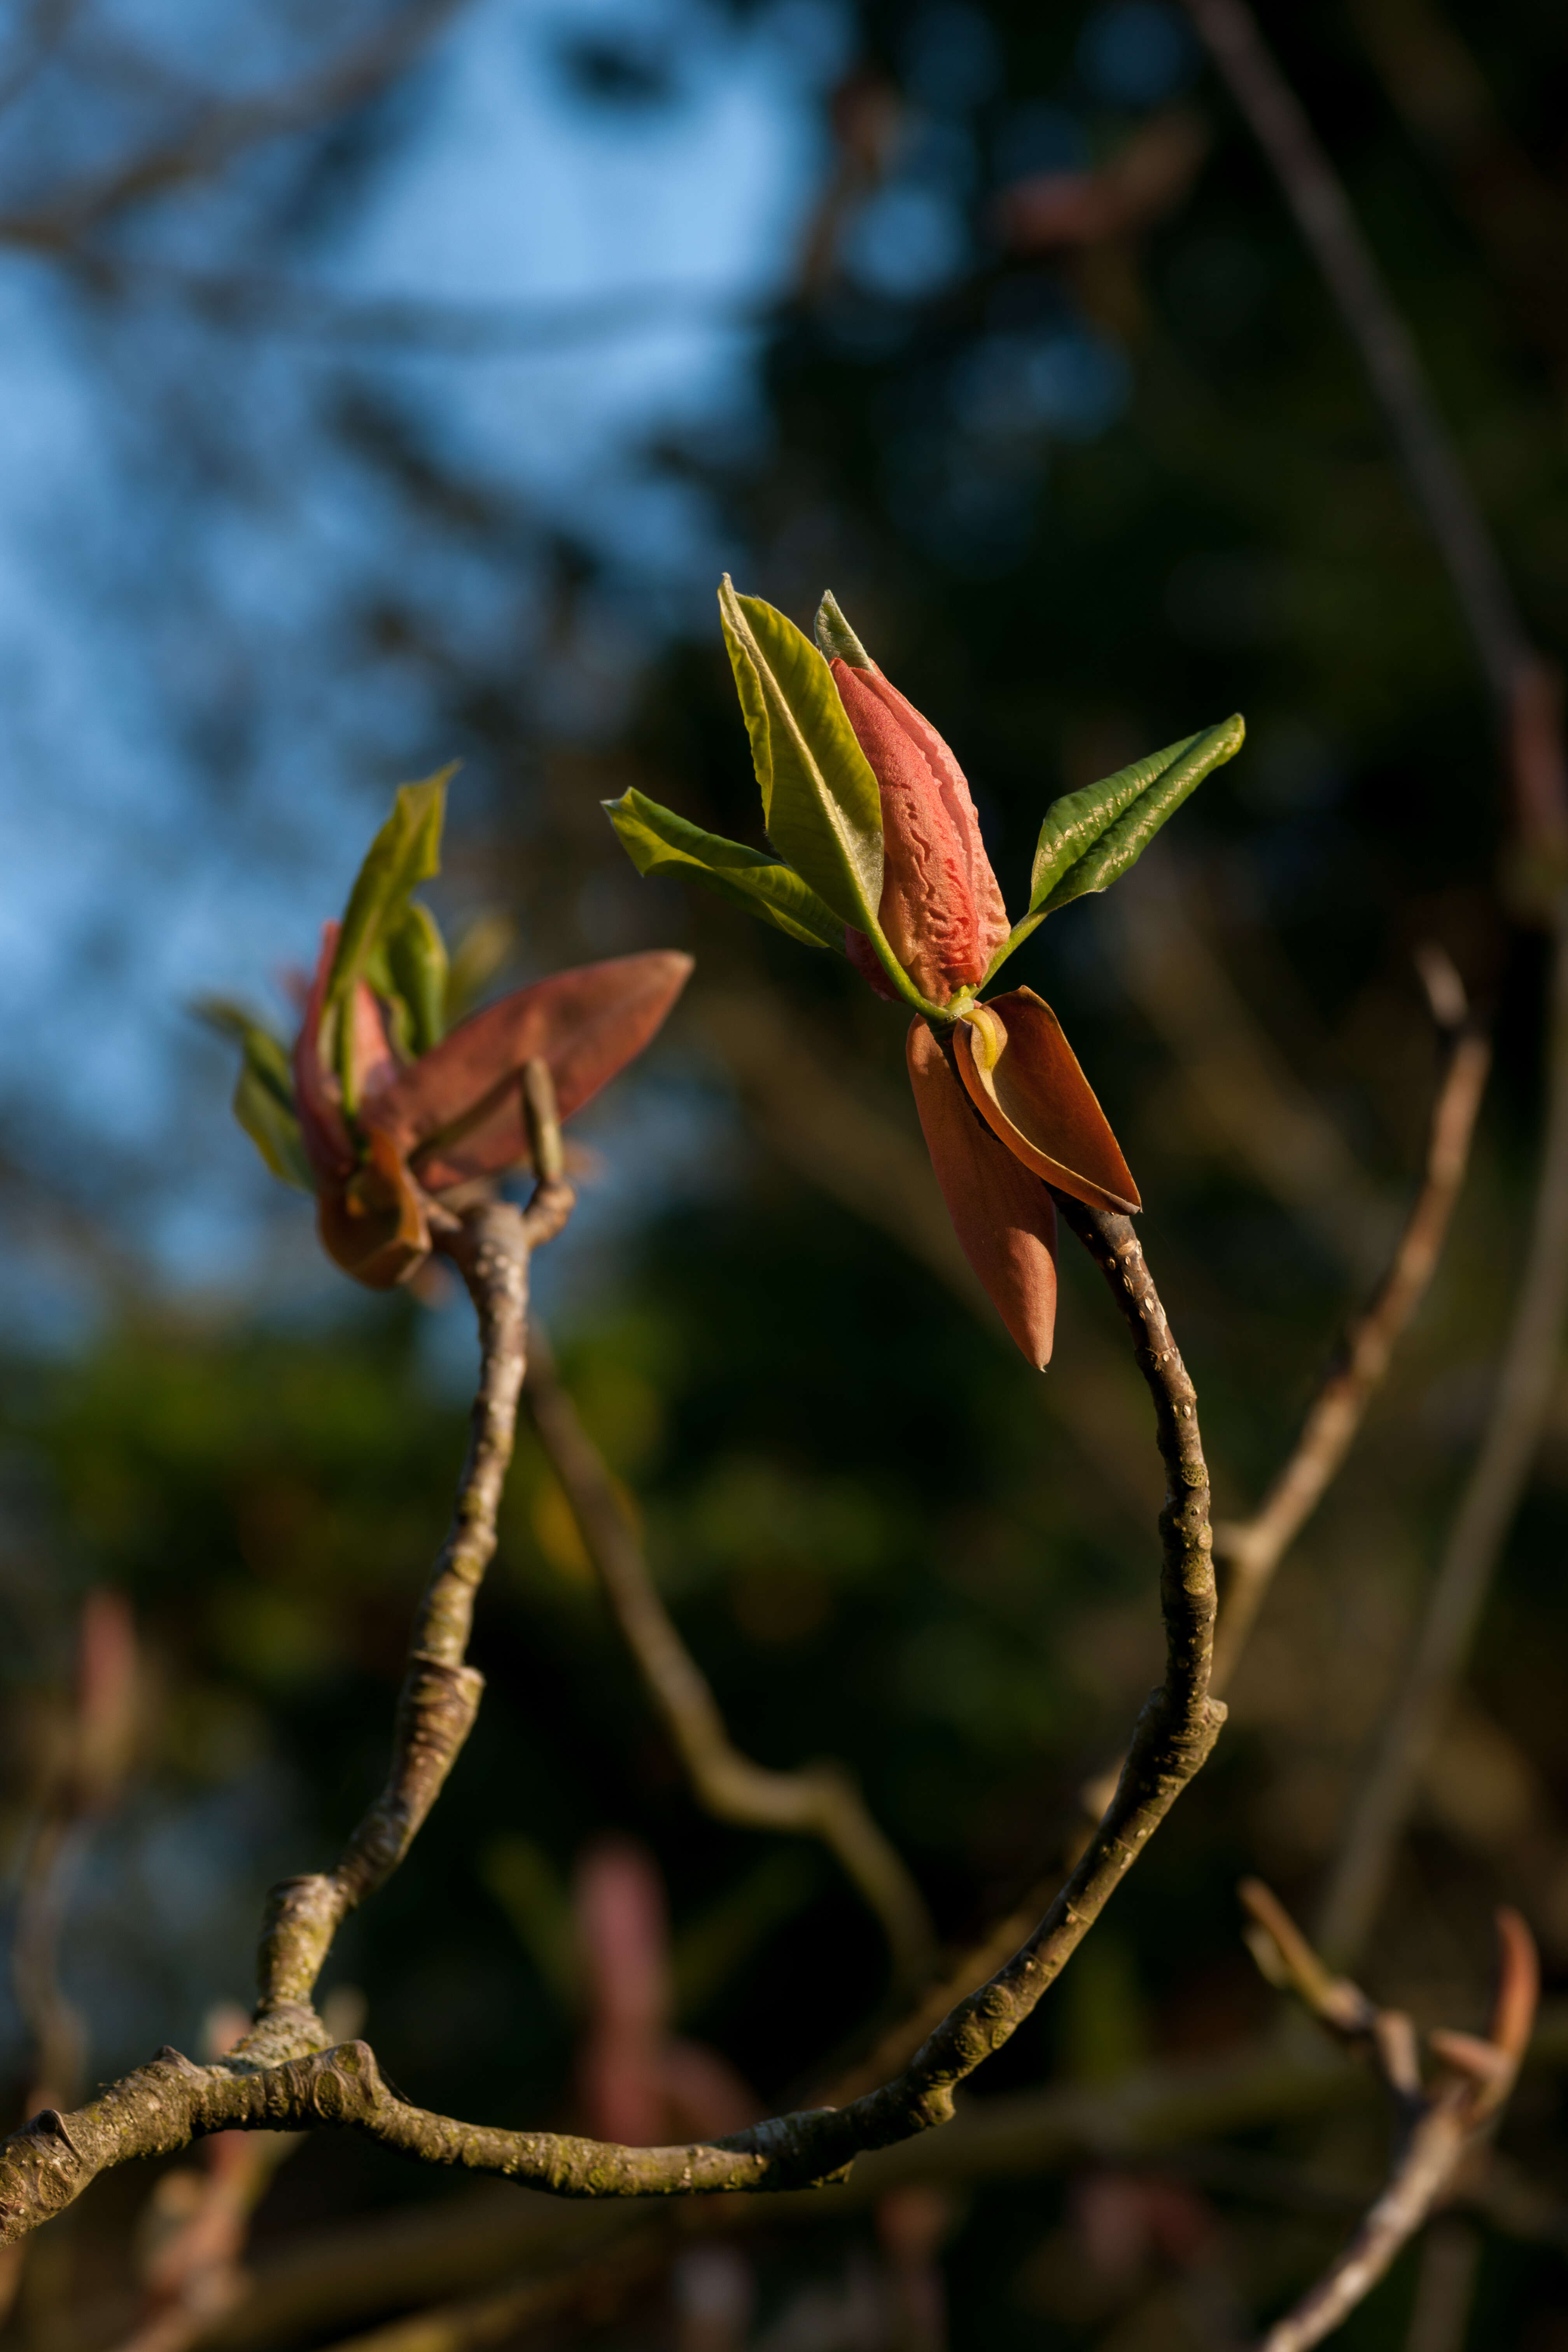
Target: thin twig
(1486, 1513)
(84, 1779)
(196, 2272)
(896, 2045)
(1440, 2320)
(1162, 2111)
(1248, 1098)
(1529, 701)
(818, 1800)
(500, 2317)
(170, 2102)
(48, 22)
(1526, 688)
(440, 1695)
(253, 302)
(1313, 191)
(56, 2028)
(228, 128)
(1252, 1548)
(1438, 2126)
(1436, 84)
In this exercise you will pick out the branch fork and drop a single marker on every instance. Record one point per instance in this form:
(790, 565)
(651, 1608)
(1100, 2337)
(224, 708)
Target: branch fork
(1439, 2124)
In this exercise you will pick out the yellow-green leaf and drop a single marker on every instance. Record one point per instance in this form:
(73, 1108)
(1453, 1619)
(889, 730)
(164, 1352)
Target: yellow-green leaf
(417, 970)
(274, 1130)
(263, 1099)
(820, 801)
(1090, 838)
(836, 637)
(405, 853)
(658, 842)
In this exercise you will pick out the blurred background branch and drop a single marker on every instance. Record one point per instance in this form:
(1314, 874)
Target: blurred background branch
(814, 1801)
(1253, 1547)
(1487, 1508)
(1438, 2125)
(215, 132)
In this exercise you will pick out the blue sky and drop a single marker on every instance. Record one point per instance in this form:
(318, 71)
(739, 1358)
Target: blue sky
(181, 540)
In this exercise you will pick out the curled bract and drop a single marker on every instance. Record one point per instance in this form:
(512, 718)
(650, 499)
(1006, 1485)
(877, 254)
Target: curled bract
(1004, 1218)
(1024, 1079)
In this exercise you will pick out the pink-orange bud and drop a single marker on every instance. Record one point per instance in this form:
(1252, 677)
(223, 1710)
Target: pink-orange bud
(941, 906)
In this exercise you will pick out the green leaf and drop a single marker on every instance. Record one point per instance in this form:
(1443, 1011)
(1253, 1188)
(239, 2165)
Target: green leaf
(658, 842)
(405, 853)
(417, 971)
(820, 801)
(263, 1099)
(1090, 838)
(482, 950)
(274, 1130)
(836, 637)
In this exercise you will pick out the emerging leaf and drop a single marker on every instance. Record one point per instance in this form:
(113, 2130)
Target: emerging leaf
(658, 841)
(405, 853)
(1024, 1079)
(1089, 838)
(416, 967)
(836, 639)
(1002, 1213)
(329, 1145)
(264, 1092)
(819, 796)
(274, 1130)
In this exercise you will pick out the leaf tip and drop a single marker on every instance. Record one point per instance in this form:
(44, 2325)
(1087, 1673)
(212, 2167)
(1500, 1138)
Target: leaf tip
(836, 639)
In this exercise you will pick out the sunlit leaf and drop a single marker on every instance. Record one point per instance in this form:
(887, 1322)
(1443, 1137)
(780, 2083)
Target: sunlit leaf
(836, 639)
(820, 801)
(274, 1130)
(263, 1099)
(1089, 838)
(405, 853)
(658, 842)
(416, 971)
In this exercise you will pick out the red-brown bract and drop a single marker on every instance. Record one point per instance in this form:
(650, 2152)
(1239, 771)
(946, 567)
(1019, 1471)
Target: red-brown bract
(425, 1128)
(943, 913)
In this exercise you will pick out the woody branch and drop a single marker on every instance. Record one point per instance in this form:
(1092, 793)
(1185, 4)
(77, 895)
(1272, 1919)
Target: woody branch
(1437, 2124)
(282, 2078)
